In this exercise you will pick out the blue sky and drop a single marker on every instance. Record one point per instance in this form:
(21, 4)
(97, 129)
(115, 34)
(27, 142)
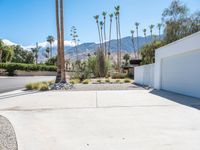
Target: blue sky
(28, 21)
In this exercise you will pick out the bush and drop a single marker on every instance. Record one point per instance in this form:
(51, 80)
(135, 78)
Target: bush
(117, 81)
(107, 81)
(86, 82)
(99, 81)
(127, 81)
(74, 81)
(119, 75)
(42, 86)
(12, 67)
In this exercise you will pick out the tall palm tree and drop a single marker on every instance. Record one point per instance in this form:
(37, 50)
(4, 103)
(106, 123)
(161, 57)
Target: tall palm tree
(151, 31)
(35, 51)
(101, 32)
(1, 51)
(117, 33)
(133, 42)
(137, 27)
(104, 22)
(117, 9)
(97, 22)
(62, 49)
(159, 25)
(58, 76)
(50, 40)
(145, 35)
(110, 33)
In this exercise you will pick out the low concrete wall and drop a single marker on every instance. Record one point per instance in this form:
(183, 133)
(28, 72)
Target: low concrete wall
(35, 73)
(144, 75)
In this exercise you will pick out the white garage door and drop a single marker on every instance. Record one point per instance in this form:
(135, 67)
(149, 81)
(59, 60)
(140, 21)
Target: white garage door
(181, 73)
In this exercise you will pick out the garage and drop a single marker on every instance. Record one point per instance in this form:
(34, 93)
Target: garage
(181, 73)
(177, 66)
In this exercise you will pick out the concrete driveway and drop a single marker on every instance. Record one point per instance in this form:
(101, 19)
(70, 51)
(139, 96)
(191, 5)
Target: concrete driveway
(103, 120)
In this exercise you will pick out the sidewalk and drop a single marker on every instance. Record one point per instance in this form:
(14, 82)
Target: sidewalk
(96, 120)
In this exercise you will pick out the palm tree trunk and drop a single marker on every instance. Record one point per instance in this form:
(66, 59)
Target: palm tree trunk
(120, 42)
(134, 46)
(159, 34)
(110, 32)
(99, 34)
(51, 55)
(137, 44)
(105, 38)
(117, 43)
(58, 76)
(0, 54)
(62, 53)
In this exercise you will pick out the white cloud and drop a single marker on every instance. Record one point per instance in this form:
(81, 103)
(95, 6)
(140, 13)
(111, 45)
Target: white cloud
(46, 44)
(7, 42)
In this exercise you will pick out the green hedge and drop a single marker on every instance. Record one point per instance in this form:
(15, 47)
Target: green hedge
(11, 67)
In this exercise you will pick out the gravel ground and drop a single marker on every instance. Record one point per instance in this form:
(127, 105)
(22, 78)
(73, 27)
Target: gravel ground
(103, 87)
(7, 135)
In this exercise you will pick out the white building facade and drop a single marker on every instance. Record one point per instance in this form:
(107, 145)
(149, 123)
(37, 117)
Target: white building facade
(176, 68)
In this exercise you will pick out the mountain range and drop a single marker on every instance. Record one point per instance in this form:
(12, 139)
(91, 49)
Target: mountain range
(87, 48)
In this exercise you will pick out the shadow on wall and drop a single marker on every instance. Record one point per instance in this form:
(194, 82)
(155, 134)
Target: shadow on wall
(178, 98)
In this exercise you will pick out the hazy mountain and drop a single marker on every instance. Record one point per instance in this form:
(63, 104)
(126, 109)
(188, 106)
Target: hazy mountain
(127, 47)
(86, 48)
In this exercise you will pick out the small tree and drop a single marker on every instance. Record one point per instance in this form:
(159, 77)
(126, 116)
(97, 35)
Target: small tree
(126, 58)
(148, 52)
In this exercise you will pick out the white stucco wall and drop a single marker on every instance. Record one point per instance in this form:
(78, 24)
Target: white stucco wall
(177, 66)
(144, 75)
(181, 73)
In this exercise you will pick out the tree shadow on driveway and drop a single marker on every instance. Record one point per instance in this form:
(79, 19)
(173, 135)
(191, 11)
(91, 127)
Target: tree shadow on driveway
(178, 98)
(11, 95)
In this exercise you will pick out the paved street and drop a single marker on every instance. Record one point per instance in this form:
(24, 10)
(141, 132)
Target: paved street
(98, 120)
(14, 83)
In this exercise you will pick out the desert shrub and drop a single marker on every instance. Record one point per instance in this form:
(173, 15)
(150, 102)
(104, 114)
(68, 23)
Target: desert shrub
(127, 81)
(74, 81)
(86, 82)
(119, 75)
(117, 81)
(29, 86)
(99, 81)
(42, 86)
(107, 81)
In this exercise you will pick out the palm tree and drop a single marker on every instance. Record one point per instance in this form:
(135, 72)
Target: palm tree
(35, 51)
(110, 33)
(104, 22)
(47, 54)
(58, 76)
(97, 22)
(101, 31)
(62, 49)
(145, 35)
(137, 27)
(151, 31)
(50, 39)
(1, 51)
(117, 32)
(133, 42)
(159, 25)
(126, 58)
(117, 9)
